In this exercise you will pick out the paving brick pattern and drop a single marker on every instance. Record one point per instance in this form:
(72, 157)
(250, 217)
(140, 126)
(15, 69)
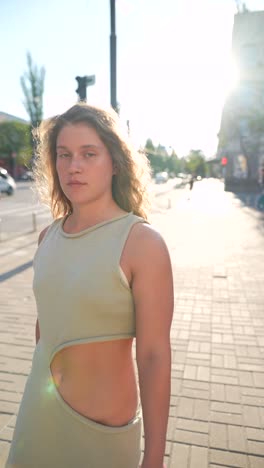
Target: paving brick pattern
(217, 385)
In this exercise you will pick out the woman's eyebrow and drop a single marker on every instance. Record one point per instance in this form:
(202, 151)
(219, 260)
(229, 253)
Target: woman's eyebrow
(63, 147)
(90, 146)
(83, 146)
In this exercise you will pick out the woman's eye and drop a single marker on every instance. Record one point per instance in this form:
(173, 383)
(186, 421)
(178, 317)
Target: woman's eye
(63, 155)
(89, 155)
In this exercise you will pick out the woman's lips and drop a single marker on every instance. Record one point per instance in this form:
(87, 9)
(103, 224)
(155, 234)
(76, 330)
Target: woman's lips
(76, 183)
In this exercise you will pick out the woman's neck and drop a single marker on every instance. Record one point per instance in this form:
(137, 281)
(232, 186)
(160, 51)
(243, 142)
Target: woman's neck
(84, 217)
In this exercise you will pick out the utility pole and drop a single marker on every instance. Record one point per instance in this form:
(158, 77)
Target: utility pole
(113, 57)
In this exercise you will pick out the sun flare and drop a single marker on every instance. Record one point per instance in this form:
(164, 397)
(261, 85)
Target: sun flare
(233, 76)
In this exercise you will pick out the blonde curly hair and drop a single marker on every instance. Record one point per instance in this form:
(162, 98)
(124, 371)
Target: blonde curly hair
(129, 184)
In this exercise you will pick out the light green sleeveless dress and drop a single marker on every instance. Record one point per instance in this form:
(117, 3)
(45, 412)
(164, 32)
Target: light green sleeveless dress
(81, 297)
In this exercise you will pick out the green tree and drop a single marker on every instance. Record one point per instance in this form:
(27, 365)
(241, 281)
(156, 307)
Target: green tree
(195, 163)
(149, 145)
(160, 160)
(157, 155)
(15, 143)
(174, 163)
(150, 151)
(32, 83)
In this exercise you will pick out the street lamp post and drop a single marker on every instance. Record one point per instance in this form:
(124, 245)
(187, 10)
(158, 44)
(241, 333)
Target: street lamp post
(113, 57)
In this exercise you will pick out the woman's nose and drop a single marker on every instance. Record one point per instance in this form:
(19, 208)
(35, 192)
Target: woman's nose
(75, 165)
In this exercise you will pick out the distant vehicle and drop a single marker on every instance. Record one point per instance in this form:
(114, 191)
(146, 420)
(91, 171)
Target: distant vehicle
(161, 177)
(7, 183)
(28, 175)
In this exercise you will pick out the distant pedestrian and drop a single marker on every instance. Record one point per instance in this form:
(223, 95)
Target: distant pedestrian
(102, 277)
(191, 182)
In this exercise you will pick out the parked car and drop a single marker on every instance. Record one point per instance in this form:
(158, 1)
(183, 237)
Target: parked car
(28, 175)
(161, 177)
(182, 175)
(7, 183)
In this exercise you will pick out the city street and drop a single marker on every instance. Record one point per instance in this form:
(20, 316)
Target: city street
(200, 117)
(20, 212)
(216, 244)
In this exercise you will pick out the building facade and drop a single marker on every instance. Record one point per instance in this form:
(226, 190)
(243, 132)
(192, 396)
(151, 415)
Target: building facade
(241, 135)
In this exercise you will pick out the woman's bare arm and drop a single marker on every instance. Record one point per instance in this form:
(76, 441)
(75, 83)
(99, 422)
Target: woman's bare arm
(152, 288)
(37, 332)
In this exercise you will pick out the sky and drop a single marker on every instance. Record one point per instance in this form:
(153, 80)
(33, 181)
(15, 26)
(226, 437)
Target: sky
(174, 66)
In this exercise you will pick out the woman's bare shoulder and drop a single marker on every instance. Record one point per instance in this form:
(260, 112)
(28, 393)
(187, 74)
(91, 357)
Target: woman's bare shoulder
(46, 229)
(147, 232)
(42, 234)
(147, 241)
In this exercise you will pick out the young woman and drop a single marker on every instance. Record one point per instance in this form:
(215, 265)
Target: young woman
(102, 277)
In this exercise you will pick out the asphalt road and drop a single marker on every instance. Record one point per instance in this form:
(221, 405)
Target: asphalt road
(21, 212)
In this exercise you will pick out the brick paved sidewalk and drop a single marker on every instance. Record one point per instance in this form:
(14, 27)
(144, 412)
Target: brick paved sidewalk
(217, 399)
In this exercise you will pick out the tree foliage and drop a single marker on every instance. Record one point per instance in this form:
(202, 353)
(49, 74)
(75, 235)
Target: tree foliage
(195, 163)
(15, 137)
(160, 160)
(32, 83)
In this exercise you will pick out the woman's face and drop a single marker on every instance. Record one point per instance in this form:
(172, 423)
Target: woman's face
(84, 165)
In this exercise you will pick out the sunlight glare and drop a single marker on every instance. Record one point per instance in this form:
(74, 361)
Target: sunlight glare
(233, 78)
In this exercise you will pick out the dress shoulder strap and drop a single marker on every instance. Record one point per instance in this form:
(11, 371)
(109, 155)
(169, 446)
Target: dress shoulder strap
(124, 232)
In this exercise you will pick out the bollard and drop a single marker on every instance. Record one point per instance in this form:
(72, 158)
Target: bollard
(169, 203)
(34, 221)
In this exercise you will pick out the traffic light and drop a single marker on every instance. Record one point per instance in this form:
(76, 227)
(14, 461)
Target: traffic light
(224, 161)
(82, 84)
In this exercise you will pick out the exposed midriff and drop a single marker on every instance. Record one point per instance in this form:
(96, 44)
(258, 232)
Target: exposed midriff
(98, 380)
